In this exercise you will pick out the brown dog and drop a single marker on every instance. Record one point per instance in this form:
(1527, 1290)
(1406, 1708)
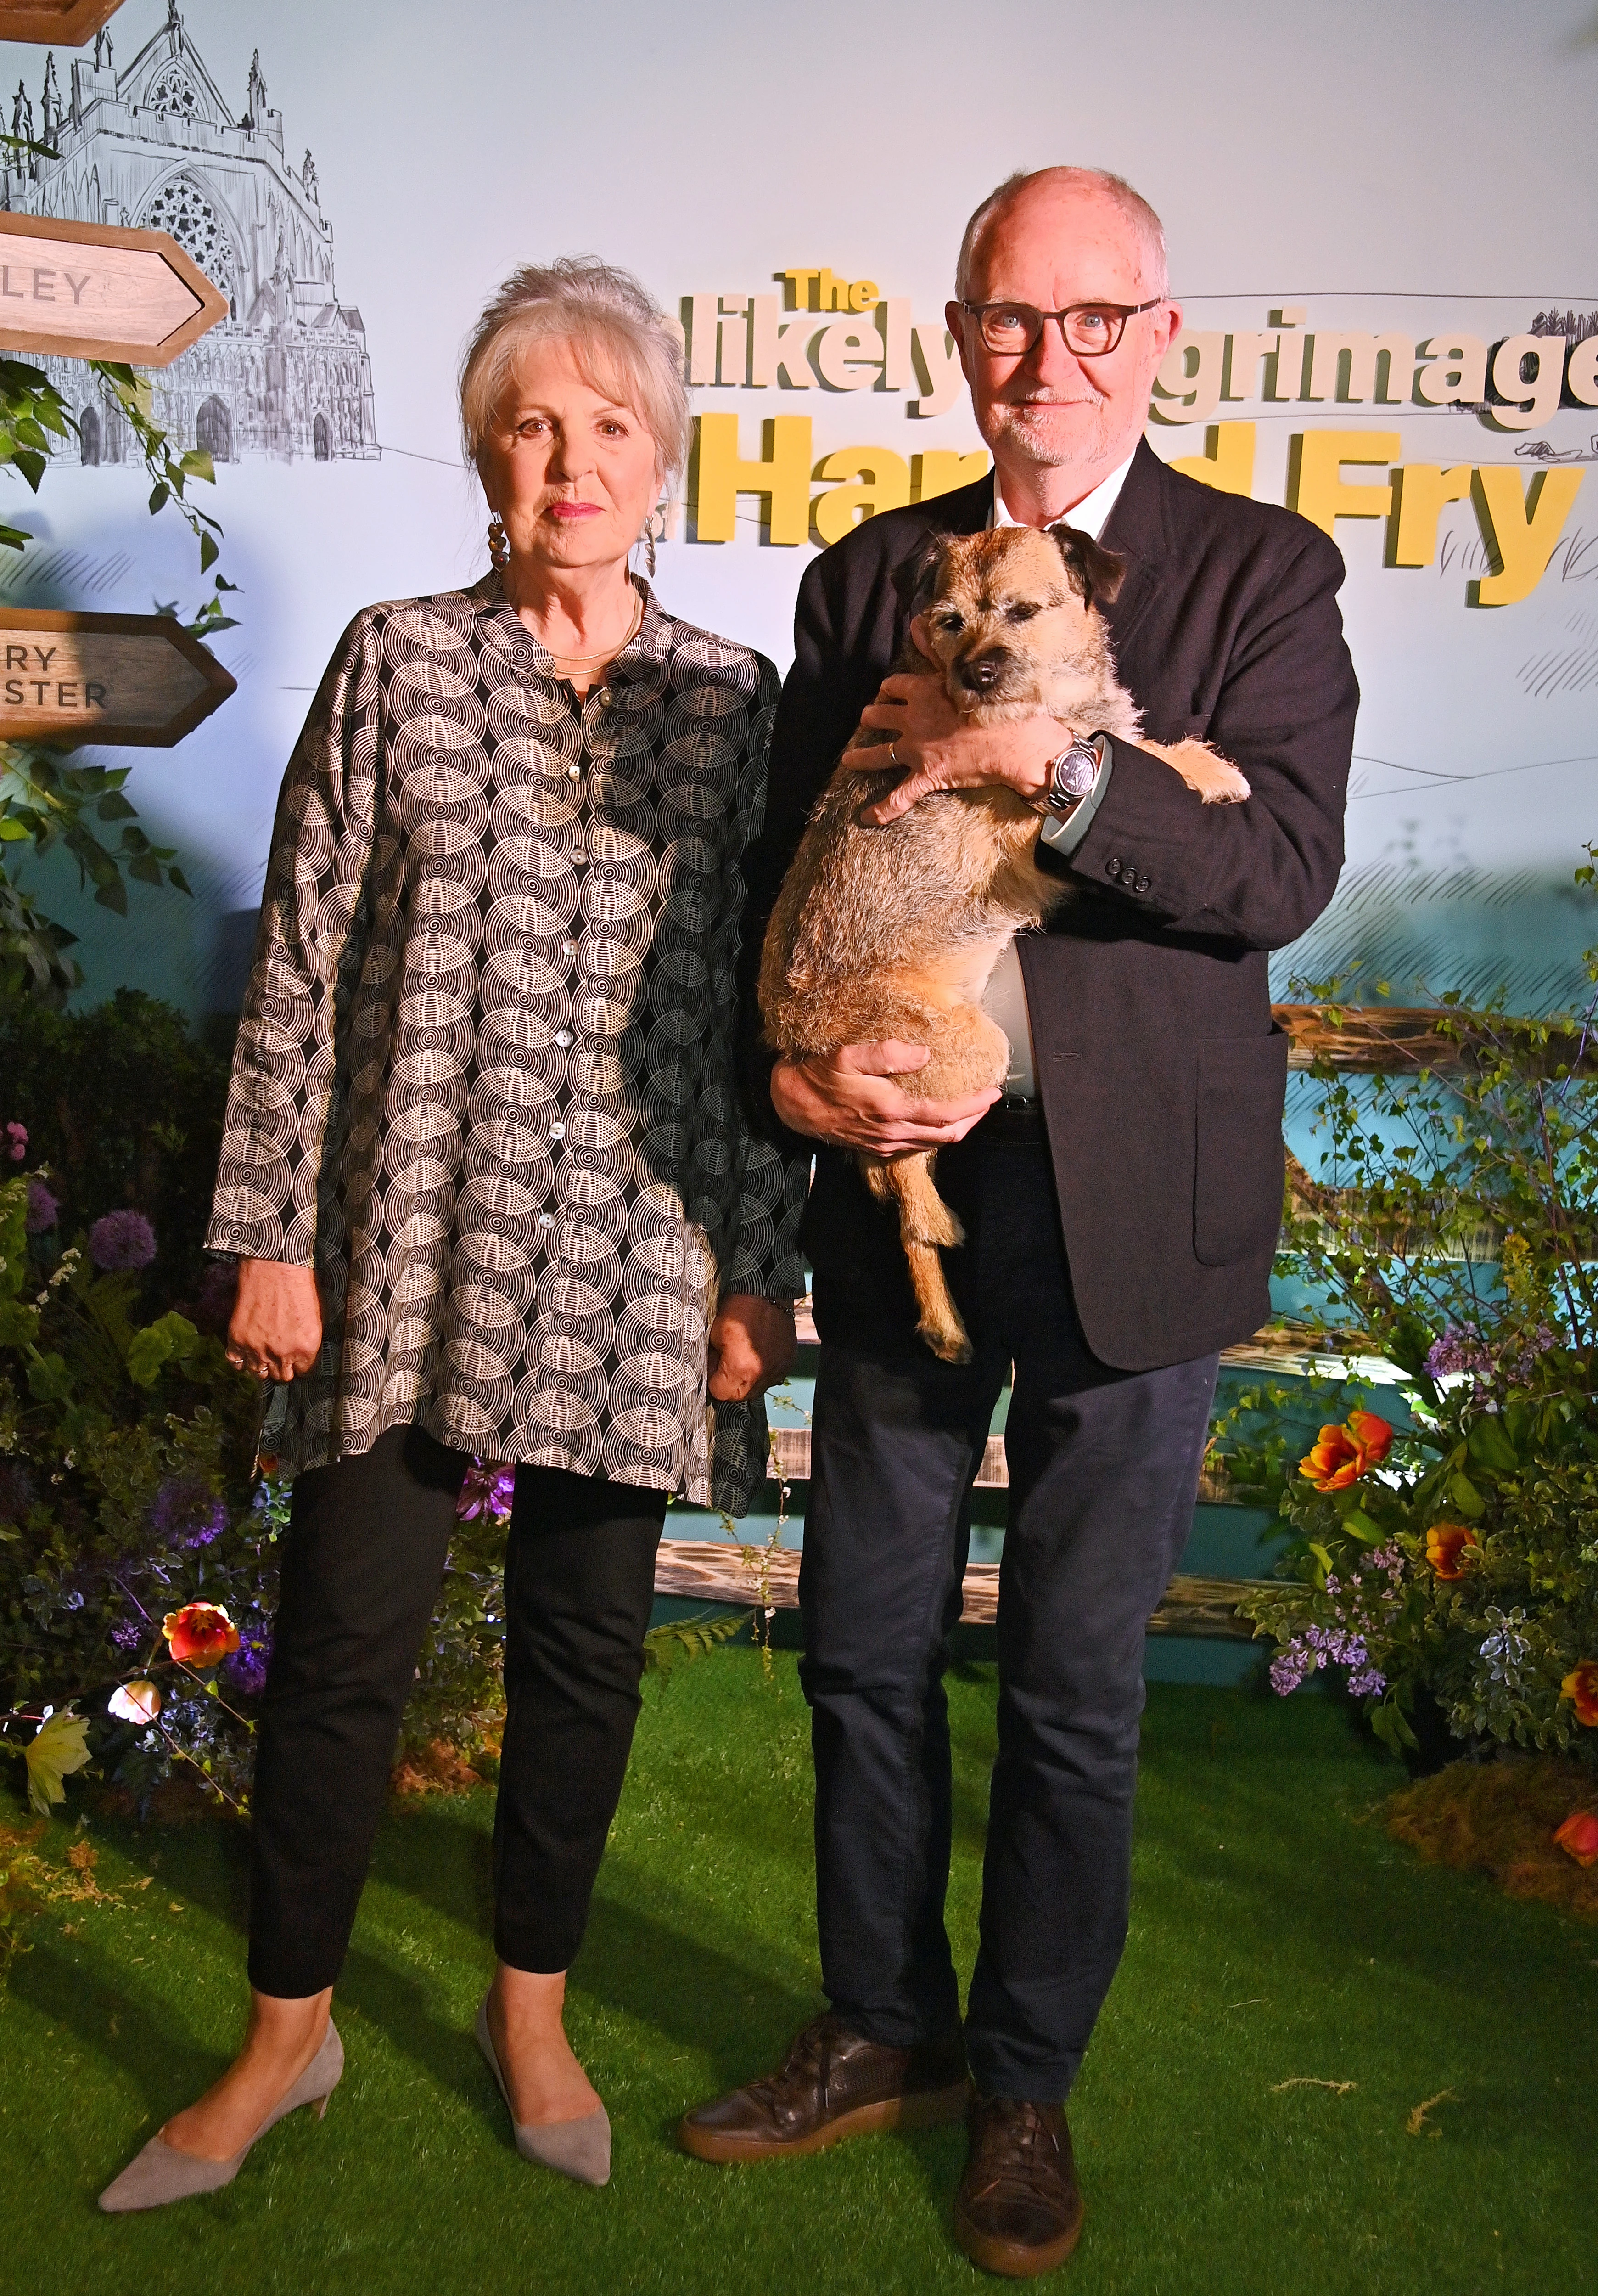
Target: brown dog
(893, 932)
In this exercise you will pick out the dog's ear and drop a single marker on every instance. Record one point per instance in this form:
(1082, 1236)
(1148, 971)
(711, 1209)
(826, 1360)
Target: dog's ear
(1093, 570)
(916, 578)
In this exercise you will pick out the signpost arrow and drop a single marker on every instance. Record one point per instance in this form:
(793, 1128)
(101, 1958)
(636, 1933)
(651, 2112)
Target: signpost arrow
(90, 290)
(137, 680)
(66, 23)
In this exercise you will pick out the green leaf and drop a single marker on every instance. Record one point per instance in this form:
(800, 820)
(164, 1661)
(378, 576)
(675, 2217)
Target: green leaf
(170, 1338)
(1360, 1526)
(210, 552)
(159, 496)
(49, 1380)
(198, 464)
(114, 807)
(1465, 1495)
(1390, 1726)
(1489, 1446)
(688, 1638)
(32, 465)
(59, 1748)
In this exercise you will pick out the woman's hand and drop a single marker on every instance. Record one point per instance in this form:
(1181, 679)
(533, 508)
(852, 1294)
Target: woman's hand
(752, 1343)
(277, 1327)
(848, 1098)
(943, 751)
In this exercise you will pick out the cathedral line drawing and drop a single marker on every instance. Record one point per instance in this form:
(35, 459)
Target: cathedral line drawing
(157, 147)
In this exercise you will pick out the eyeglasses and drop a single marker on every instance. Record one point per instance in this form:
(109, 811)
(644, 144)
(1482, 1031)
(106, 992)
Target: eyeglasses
(1088, 328)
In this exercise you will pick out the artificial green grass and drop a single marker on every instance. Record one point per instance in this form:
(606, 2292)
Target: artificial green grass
(1276, 1938)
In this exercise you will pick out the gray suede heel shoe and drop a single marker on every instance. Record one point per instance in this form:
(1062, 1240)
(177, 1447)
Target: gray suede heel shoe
(579, 2149)
(161, 2173)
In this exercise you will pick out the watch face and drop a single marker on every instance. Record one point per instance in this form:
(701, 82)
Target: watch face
(1079, 772)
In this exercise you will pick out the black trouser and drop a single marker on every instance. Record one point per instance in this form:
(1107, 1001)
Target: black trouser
(1103, 1469)
(365, 1552)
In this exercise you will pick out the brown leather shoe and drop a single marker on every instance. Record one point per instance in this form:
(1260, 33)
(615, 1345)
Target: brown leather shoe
(831, 2085)
(1019, 2210)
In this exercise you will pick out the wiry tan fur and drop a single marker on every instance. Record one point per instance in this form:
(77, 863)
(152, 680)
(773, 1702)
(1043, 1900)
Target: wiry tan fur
(893, 932)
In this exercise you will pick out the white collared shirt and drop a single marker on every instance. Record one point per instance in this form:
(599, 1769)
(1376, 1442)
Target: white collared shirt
(1089, 516)
(1005, 999)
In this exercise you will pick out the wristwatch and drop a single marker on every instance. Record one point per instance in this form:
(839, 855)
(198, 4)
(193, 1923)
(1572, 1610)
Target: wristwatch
(1072, 775)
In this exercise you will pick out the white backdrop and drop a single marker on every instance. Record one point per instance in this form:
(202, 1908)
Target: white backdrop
(1388, 167)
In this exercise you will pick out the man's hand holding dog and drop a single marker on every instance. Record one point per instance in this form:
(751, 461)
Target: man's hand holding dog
(849, 1097)
(942, 752)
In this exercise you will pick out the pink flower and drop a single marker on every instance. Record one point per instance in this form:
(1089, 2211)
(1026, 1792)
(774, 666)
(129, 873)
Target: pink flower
(17, 1134)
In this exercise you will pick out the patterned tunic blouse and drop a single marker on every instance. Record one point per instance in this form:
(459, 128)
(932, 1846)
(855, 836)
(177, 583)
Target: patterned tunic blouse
(483, 1077)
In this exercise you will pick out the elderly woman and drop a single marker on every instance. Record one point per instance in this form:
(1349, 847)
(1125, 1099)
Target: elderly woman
(489, 1191)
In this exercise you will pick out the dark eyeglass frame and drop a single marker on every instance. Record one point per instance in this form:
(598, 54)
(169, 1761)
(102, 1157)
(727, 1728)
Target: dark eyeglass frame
(1120, 311)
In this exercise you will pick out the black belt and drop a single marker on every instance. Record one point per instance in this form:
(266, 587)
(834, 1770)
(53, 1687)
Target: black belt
(1012, 1121)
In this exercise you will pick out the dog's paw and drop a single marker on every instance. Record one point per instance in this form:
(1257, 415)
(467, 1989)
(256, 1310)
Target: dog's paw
(1222, 785)
(1211, 777)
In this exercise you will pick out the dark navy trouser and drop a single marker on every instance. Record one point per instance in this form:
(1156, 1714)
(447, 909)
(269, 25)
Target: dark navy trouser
(1104, 1471)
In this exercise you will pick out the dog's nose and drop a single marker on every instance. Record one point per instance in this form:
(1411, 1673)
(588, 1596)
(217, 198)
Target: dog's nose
(981, 672)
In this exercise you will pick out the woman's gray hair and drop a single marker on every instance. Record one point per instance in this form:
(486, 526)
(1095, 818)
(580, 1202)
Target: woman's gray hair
(623, 343)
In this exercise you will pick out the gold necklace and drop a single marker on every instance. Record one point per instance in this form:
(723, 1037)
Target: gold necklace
(607, 653)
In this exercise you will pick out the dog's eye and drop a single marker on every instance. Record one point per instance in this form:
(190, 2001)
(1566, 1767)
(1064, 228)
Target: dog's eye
(951, 625)
(1022, 612)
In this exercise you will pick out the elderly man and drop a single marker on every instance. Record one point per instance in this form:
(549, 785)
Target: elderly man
(1120, 1206)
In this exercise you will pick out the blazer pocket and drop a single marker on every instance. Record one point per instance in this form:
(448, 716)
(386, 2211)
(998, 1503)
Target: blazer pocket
(1239, 1165)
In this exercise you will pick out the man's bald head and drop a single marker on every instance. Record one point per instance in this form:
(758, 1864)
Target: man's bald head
(1052, 185)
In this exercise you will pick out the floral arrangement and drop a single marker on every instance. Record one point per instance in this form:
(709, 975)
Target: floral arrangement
(1450, 1555)
(139, 1533)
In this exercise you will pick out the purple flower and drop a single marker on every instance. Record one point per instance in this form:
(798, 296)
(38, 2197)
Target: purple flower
(246, 1669)
(122, 1240)
(1464, 1349)
(128, 1633)
(1289, 1667)
(487, 1491)
(43, 1210)
(186, 1512)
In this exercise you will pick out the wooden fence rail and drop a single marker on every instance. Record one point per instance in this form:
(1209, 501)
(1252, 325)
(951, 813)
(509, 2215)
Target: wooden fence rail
(1378, 1039)
(710, 1571)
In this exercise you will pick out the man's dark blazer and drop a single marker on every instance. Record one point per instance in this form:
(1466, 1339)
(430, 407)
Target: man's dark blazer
(1160, 1073)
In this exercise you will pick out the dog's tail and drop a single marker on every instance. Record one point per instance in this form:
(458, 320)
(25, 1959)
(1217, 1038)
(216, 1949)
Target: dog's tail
(925, 1223)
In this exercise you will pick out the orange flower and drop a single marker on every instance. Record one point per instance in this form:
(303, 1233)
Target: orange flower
(1577, 1837)
(1582, 1689)
(1445, 1544)
(1374, 1436)
(201, 1634)
(1341, 1455)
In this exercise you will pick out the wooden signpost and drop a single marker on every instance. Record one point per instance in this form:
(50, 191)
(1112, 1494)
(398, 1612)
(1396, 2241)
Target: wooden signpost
(63, 23)
(137, 680)
(93, 291)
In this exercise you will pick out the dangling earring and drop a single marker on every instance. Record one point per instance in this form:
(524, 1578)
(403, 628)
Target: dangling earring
(648, 537)
(499, 543)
